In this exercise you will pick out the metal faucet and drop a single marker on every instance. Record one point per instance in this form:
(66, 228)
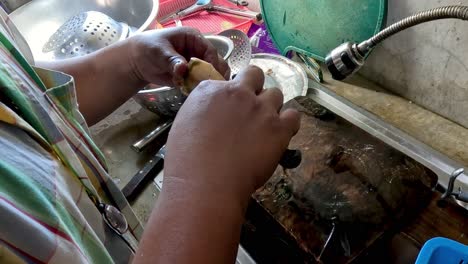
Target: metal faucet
(349, 57)
(450, 192)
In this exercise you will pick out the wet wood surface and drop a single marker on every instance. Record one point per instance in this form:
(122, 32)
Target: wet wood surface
(369, 191)
(450, 222)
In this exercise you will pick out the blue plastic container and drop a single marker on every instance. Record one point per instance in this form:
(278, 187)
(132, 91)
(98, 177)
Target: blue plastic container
(441, 250)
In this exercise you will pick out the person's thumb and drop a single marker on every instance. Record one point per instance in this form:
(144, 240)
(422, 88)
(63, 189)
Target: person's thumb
(177, 65)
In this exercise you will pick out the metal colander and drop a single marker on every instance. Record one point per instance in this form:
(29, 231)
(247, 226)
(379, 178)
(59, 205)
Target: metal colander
(85, 33)
(242, 53)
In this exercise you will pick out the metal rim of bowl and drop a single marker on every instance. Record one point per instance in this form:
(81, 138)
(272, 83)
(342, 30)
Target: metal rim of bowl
(225, 40)
(151, 19)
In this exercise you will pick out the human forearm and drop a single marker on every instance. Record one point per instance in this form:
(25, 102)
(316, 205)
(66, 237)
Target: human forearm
(104, 80)
(226, 141)
(193, 224)
(107, 78)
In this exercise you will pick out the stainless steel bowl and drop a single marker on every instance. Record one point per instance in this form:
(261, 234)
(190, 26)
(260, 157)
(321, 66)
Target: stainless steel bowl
(166, 101)
(37, 20)
(224, 45)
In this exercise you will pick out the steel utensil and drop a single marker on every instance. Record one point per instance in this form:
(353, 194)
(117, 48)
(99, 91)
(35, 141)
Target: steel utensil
(164, 101)
(144, 176)
(141, 144)
(85, 33)
(237, 12)
(282, 73)
(198, 6)
(38, 20)
(239, 2)
(208, 5)
(224, 45)
(242, 53)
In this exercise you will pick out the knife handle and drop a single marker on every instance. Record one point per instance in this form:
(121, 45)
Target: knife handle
(138, 182)
(291, 159)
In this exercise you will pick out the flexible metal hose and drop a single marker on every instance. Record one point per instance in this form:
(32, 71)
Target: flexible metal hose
(460, 12)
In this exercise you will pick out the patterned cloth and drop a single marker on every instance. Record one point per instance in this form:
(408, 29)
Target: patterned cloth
(52, 175)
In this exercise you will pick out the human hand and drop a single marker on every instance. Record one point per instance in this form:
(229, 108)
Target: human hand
(160, 56)
(228, 137)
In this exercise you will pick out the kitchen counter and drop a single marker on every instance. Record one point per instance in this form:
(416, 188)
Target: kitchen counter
(130, 122)
(114, 135)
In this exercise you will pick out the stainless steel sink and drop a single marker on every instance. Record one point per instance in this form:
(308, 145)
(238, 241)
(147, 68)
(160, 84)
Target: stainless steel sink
(37, 20)
(439, 163)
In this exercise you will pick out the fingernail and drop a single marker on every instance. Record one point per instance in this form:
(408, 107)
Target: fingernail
(176, 65)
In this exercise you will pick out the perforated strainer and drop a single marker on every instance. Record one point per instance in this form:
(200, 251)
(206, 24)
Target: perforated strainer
(85, 33)
(240, 57)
